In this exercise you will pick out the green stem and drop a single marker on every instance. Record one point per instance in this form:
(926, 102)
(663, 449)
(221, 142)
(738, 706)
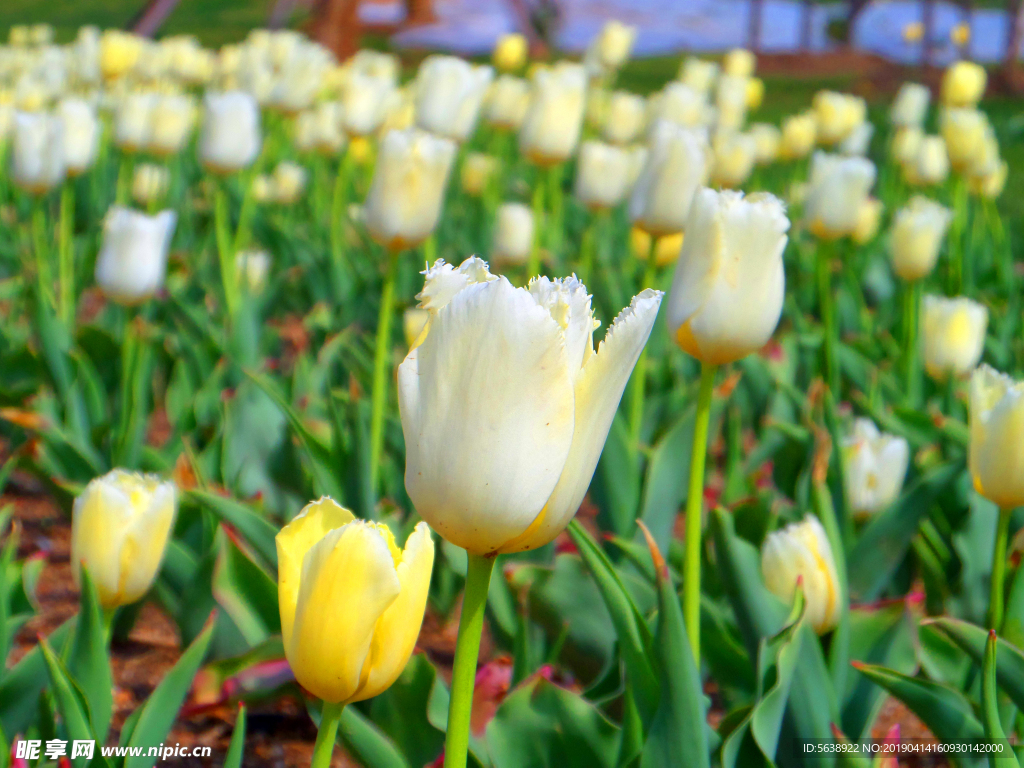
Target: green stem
(636, 394)
(955, 283)
(533, 264)
(467, 650)
(225, 251)
(66, 255)
(124, 179)
(326, 735)
(44, 272)
(339, 198)
(828, 314)
(379, 393)
(694, 504)
(995, 605)
(911, 353)
(244, 213)
(555, 204)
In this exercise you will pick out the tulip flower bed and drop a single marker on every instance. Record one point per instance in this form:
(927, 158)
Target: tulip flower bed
(459, 415)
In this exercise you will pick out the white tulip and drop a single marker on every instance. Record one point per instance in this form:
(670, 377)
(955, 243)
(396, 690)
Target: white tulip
(731, 101)
(767, 141)
(680, 104)
(799, 134)
(952, 335)
(253, 266)
(918, 231)
(230, 139)
(133, 257)
(615, 43)
(506, 102)
(857, 143)
(837, 189)
(625, 118)
(910, 107)
(149, 183)
(929, 164)
(133, 120)
(505, 404)
(554, 117)
(727, 291)
(407, 191)
(449, 92)
(800, 552)
(965, 130)
(81, 133)
(363, 103)
(837, 114)
(38, 151)
(874, 466)
(698, 74)
(995, 458)
(602, 175)
(739, 62)
(678, 163)
(734, 157)
(513, 235)
(905, 144)
(172, 119)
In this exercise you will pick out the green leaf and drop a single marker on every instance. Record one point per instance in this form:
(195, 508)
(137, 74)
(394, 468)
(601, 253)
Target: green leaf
(236, 749)
(245, 591)
(990, 708)
(74, 710)
(667, 475)
(21, 685)
(973, 640)
(161, 708)
(635, 642)
(401, 712)
(616, 484)
(943, 709)
(88, 660)
(367, 742)
(256, 529)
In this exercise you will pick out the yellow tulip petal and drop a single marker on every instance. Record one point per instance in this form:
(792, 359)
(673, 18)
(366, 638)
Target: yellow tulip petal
(145, 542)
(101, 517)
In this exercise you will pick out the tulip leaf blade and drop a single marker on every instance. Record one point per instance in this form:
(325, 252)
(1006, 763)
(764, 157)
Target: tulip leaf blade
(943, 709)
(88, 660)
(972, 639)
(158, 712)
(257, 530)
(362, 736)
(245, 591)
(21, 685)
(635, 642)
(236, 749)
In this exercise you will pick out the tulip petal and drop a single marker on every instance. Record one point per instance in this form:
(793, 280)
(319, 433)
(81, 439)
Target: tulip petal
(145, 541)
(569, 304)
(487, 411)
(398, 628)
(348, 580)
(102, 515)
(293, 542)
(598, 390)
(443, 281)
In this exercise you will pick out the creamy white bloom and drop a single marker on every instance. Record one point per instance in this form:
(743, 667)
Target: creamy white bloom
(554, 117)
(449, 92)
(837, 114)
(614, 44)
(172, 119)
(918, 232)
(320, 129)
(149, 182)
(965, 130)
(407, 191)
(133, 257)
(731, 100)
(120, 525)
(963, 84)
(381, 66)
(230, 139)
(995, 455)
(513, 235)
(38, 151)
(698, 74)
(680, 104)
(253, 266)
(767, 141)
(990, 184)
(288, 182)
(858, 141)
(414, 320)
(837, 188)
(477, 172)
(625, 118)
(728, 287)
(364, 102)
(506, 102)
(874, 466)
(952, 335)
(799, 134)
(910, 107)
(739, 62)
(602, 174)
(506, 405)
(868, 220)
(81, 134)
(678, 162)
(905, 144)
(734, 155)
(801, 552)
(929, 164)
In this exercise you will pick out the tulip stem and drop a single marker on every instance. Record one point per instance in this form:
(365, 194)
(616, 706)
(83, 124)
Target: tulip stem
(911, 310)
(467, 651)
(555, 204)
(995, 605)
(828, 314)
(339, 197)
(956, 238)
(225, 251)
(379, 394)
(326, 735)
(66, 256)
(636, 395)
(694, 504)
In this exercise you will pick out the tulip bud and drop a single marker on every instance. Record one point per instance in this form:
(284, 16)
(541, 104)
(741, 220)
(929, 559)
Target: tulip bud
(554, 117)
(929, 164)
(767, 140)
(677, 164)
(874, 465)
(80, 128)
(506, 103)
(963, 84)
(133, 256)
(799, 134)
(149, 183)
(253, 266)
(731, 101)
(680, 104)
(995, 458)
(910, 107)
(625, 117)
(507, 383)
(288, 182)
(666, 249)
(119, 530)
(918, 231)
(800, 552)
(230, 139)
(38, 151)
(407, 191)
(698, 74)
(351, 601)
(734, 156)
(868, 219)
(837, 114)
(952, 335)
(727, 292)
(513, 235)
(364, 103)
(477, 171)
(837, 189)
(449, 92)
(602, 175)
(614, 45)
(965, 131)
(413, 322)
(858, 141)
(510, 52)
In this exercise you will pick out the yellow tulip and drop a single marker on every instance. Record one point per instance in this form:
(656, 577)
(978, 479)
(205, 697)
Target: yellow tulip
(510, 52)
(918, 231)
(996, 452)
(351, 601)
(119, 52)
(952, 335)
(868, 218)
(739, 62)
(755, 93)
(799, 134)
(119, 530)
(963, 84)
(801, 551)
